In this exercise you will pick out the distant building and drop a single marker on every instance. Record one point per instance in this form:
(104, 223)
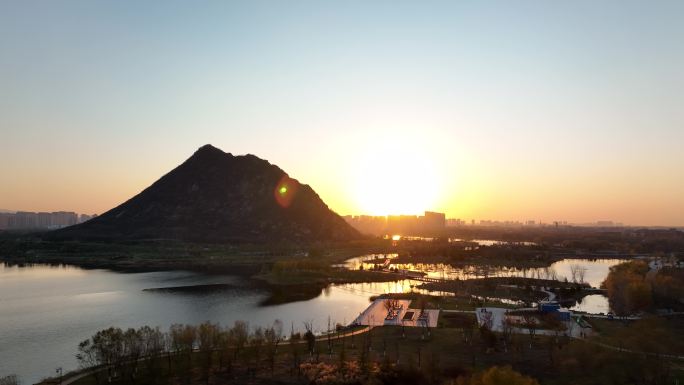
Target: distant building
(403, 224)
(367, 224)
(23, 220)
(398, 224)
(43, 220)
(451, 222)
(85, 217)
(27, 220)
(63, 219)
(4, 220)
(433, 221)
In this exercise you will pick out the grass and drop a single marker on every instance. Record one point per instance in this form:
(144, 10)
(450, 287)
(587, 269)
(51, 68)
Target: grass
(662, 335)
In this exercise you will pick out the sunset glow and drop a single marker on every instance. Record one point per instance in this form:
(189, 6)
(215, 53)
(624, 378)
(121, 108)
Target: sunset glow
(479, 111)
(395, 176)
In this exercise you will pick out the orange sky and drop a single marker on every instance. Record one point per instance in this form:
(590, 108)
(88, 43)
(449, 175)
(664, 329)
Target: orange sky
(494, 110)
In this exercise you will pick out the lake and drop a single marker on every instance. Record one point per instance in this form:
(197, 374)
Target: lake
(595, 270)
(45, 311)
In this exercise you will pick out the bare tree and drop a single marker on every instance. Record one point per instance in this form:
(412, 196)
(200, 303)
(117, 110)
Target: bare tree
(272, 337)
(553, 275)
(257, 341)
(226, 341)
(294, 348)
(329, 337)
(132, 351)
(9, 380)
(240, 335)
(87, 358)
(574, 270)
(310, 337)
(278, 330)
(581, 272)
(506, 331)
(531, 323)
(153, 344)
(390, 304)
(208, 338)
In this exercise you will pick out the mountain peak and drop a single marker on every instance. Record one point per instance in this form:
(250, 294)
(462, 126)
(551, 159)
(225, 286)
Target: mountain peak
(209, 149)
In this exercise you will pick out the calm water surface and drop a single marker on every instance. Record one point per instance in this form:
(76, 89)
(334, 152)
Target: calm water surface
(595, 270)
(45, 311)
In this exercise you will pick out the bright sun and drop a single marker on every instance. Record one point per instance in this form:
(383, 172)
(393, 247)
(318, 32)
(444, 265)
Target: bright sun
(396, 178)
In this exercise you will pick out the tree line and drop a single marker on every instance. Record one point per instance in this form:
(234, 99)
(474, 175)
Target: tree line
(118, 353)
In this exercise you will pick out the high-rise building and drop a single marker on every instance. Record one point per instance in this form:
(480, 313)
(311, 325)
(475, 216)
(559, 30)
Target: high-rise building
(26, 220)
(4, 220)
(433, 221)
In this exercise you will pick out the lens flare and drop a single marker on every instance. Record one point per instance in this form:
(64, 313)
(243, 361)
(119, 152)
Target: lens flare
(285, 191)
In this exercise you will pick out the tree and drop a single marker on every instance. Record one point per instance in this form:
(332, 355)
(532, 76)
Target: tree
(9, 380)
(87, 358)
(310, 337)
(240, 335)
(226, 342)
(272, 337)
(574, 270)
(627, 289)
(278, 331)
(109, 349)
(581, 273)
(506, 331)
(390, 304)
(132, 351)
(531, 323)
(294, 347)
(208, 338)
(257, 342)
(153, 344)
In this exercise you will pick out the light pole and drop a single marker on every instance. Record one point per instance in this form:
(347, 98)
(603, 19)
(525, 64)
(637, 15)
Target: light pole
(59, 370)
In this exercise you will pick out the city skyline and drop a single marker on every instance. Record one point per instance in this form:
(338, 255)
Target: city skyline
(448, 221)
(545, 111)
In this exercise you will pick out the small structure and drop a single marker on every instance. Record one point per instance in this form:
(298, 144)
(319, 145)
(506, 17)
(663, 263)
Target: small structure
(548, 306)
(377, 314)
(554, 307)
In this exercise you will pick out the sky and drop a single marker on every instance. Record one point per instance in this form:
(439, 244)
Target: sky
(525, 110)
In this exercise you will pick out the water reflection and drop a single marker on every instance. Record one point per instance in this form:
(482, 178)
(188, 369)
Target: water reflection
(594, 304)
(492, 242)
(594, 271)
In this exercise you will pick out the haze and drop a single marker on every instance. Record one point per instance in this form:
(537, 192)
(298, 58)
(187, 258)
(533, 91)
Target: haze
(500, 110)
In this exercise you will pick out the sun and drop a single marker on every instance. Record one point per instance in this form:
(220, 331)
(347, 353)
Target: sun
(396, 177)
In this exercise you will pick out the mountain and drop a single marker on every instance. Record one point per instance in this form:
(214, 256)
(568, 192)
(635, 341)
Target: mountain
(220, 198)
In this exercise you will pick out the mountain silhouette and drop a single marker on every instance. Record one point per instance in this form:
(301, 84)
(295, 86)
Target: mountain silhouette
(221, 198)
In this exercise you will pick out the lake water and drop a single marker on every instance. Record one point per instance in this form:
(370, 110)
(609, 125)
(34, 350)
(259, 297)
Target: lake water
(595, 270)
(45, 311)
